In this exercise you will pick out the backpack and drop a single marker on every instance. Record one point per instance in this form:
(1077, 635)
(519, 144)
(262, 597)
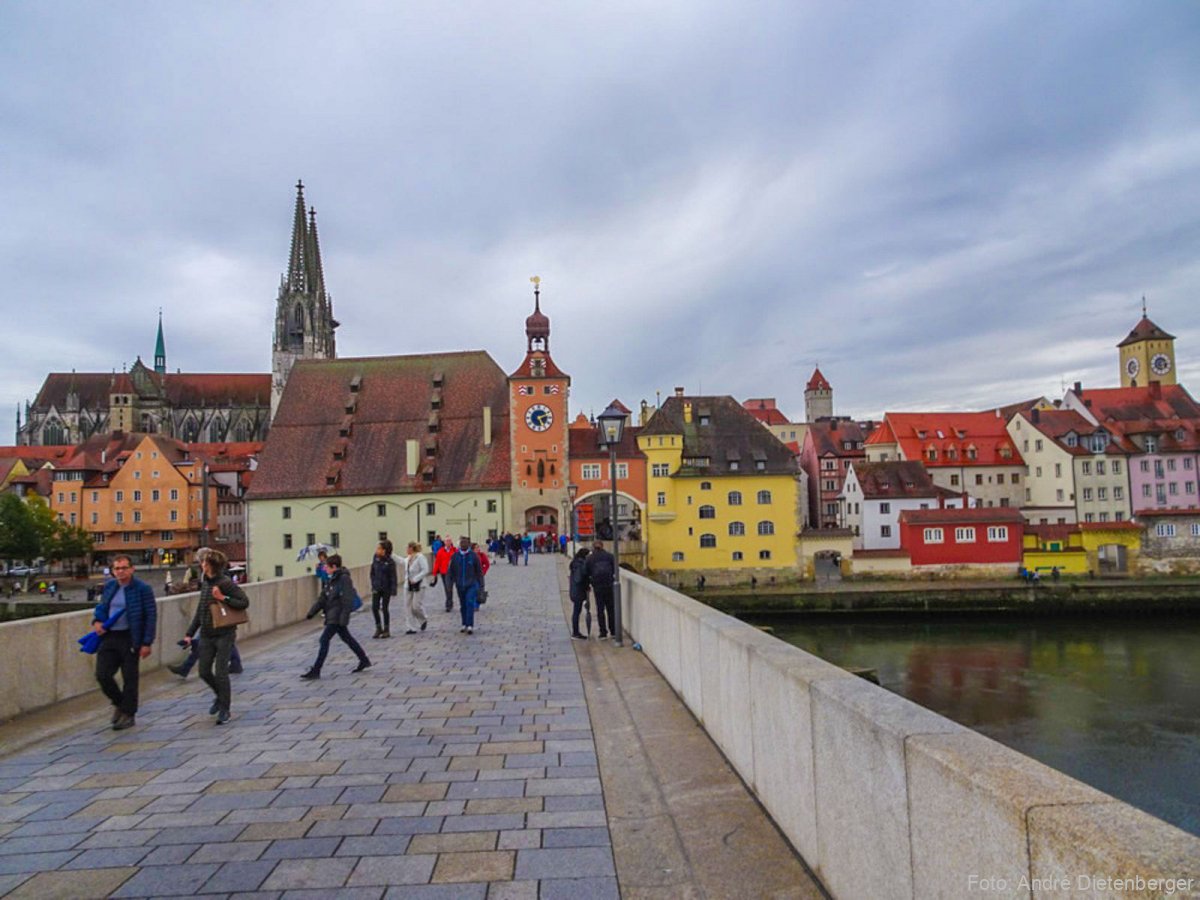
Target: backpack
(602, 567)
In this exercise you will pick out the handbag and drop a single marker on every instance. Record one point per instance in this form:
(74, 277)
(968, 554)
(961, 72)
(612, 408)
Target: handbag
(356, 603)
(225, 616)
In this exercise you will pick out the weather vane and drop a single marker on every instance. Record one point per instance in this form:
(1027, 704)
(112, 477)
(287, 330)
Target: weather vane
(537, 285)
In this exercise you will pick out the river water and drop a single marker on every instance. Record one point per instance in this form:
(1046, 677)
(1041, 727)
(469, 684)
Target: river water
(1114, 702)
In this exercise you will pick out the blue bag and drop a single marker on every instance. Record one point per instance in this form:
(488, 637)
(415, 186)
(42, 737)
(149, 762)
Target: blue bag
(90, 642)
(356, 604)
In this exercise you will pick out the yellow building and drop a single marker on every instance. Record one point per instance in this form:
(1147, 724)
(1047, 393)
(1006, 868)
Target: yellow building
(721, 490)
(1147, 354)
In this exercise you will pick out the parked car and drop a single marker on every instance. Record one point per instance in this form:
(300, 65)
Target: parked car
(22, 571)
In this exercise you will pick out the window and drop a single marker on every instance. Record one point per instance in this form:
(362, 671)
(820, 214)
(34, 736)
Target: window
(154, 474)
(885, 531)
(287, 510)
(1058, 495)
(1189, 487)
(760, 465)
(954, 481)
(1100, 467)
(1087, 494)
(964, 535)
(287, 542)
(764, 497)
(382, 536)
(1058, 470)
(1089, 517)
(491, 506)
(733, 465)
(174, 515)
(1145, 490)
(335, 539)
(1165, 529)
(381, 509)
(831, 485)
(74, 496)
(1038, 473)
(1016, 478)
(1086, 467)
(1187, 463)
(978, 479)
(737, 529)
(174, 495)
(706, 485)
(430, 509)
(311, 539)
(166, 536)
(997, 533)
(933, 536)
(1173, 488)
(737, 555)
(333, 511)
(662, 498)
(137, 476)
(1196, 529)
(676, 556)
(708, 540)
(708, 512)
(828, 464)
(120, 517)
(1144, 465)
(1118, 493)
(95, 518)
(155, 495)
(1116, 467)
(735, 498)
(137, 516)
(590, 472)
(1103, 517)
(137, 496)
(279, 571)
(658, 470)
(120, 497)
(764, 554)
(885, 508)
(766, 527)
(128, 537)
(1102, 493)
(61, 495)
(622, 470)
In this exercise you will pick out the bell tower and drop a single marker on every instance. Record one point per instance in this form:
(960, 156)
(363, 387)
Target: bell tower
(537, 403)
(304, 323)
(1147, 354)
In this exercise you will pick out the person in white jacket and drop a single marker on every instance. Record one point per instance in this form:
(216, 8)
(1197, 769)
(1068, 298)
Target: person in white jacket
(415, 568)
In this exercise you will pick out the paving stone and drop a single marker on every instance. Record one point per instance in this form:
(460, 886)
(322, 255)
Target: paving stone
(309, 873)
(490, 865)
(385, 870)
(34, 862)
(411, 792)
(108, 857)
(235, 851)
(372, 793)
(483, 823)
(526, 839)
(410, 825)
(562, 787)
(576, 819)
(241, 785)
(579, 862)
(455, 842)
(73, 885)
(273, 831)
(477, 790)
(333, 827)
(374, 845)
(477, 891)
(167, 881)
(302, 848)
(239, 875)
(171, 855)
(580, 889)
(359, 893)
(42, 843)
(307, 797)
(575, 837)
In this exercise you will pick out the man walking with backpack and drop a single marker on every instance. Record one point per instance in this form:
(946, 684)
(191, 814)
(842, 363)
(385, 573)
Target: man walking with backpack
(601, 568)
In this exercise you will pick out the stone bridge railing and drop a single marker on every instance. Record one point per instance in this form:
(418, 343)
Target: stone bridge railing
(40, 662)
(883, 798)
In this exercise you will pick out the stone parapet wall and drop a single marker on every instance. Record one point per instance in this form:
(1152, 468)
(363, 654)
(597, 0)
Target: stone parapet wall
(40, 662)
(881, 797)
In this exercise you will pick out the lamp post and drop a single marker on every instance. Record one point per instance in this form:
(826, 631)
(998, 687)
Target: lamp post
(572, 493)
(612, 426)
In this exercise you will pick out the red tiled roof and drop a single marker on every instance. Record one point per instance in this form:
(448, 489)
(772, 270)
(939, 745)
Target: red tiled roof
(894, 478)
(584, 443)
(1160, 410)
(769, 416)
(1002, 514)
(882, 435)
(394, 404)
(828, 437)
(985, 433)
(1145, 330)
(38, 455)
(181, 389)
(1158, 513)
(1109, 526)
(1056, 424)
(525, 370)
(1007, 412)
(817, 382)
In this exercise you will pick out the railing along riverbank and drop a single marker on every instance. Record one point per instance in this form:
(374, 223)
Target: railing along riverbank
(883, 798)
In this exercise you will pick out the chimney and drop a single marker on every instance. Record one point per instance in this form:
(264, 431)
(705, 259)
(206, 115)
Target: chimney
(678, 392)
(411, 448)
(1078, 386)
(941, 500)
(687, 413)
(965, 501)
(833, 424)
(1155, 389)
(487, 426)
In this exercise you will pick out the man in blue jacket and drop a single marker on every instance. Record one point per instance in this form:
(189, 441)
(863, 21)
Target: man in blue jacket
(127, 640)
(466, 574)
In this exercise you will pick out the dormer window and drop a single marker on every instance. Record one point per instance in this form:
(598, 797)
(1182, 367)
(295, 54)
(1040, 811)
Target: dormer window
(1072, 440)
(1151, 445)
(705, 420)
(355, 384)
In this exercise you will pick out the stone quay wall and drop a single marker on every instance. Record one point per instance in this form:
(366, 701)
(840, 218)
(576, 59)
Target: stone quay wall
(40, 662)
(883, 798)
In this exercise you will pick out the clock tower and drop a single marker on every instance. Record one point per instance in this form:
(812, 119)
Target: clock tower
(1147, 354)
(537, 404)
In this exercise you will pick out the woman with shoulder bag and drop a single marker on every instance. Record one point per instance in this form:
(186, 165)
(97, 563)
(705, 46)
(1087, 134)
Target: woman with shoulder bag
(217, 640)
(337, 602)
(416, 567)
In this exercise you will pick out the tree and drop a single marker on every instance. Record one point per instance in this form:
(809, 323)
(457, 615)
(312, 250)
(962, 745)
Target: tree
(19, 537)
(72, 542)
(45, 524)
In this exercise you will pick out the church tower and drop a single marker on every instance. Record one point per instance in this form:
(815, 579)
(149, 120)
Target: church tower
(160, 350)
(304, 323)
(1147, 354)
(818, 397)
(537, 404)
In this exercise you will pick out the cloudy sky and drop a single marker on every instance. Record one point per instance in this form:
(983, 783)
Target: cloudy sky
(945, 204)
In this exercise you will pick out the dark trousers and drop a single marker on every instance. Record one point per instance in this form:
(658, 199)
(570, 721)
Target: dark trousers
(604, 608)
(379, 609)
(214, 665)
(467, 601)
(235, 658)
(578, 600)
(448, 587)
(343, 632)
(116, 654)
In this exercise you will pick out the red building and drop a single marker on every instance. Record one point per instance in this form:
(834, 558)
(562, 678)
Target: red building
(978, 536)
(830, 447)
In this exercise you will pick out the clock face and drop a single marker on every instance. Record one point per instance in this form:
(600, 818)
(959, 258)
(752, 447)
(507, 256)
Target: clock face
(1160, 363)
(1131, 366)
(539, 417)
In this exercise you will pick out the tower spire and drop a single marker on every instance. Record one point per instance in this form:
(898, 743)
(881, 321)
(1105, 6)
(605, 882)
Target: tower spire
(296, 260)
(1143, 306)
(160, 348)
(312, 256)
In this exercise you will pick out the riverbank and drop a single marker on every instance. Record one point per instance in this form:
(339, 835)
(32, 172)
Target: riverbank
(1141, 596)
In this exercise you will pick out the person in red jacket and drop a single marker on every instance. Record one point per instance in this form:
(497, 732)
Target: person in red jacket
(441, 569)
(484, 565)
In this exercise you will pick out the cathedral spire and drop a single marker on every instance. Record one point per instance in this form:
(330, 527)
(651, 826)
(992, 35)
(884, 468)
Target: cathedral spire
(297, 266)
(312, 256)
(160, 349)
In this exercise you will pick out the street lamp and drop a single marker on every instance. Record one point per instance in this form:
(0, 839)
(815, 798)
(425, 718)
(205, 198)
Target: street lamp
(572, 493)
(612, 426)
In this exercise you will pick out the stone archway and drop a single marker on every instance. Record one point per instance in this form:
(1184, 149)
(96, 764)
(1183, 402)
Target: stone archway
(541, 519)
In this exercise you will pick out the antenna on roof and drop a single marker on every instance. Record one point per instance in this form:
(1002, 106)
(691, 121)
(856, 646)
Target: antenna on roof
(1143, 306)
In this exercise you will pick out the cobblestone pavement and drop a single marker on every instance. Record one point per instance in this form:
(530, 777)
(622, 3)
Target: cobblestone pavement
(458, 766)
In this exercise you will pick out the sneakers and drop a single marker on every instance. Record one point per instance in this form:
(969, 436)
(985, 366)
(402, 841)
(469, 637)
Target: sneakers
(236, 670)
(215, 708)
(311, 675)
(470, 629)
(411, 631)
(115, 716)
(579, 637)
(363, 664)
(178, 670)
(424, 624)
(385, 635)
(463, 630)
(603, 635)
(123, 722)
(223, 717)
(378, 634)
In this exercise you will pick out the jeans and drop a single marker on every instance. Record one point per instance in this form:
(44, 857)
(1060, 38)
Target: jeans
(235, 658)
(379, 609)
(604, 608)
(448, 587)
(577, 603)
(214, 665)
(467, 601)
(343, 632)
(116, 654)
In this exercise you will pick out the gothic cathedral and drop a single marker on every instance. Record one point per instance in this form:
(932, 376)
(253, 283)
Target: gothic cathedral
(537, 404)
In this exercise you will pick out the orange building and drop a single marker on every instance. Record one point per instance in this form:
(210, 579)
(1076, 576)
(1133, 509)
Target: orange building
(589, 468)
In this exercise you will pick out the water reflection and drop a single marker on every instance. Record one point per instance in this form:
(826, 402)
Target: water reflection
(1113, 702)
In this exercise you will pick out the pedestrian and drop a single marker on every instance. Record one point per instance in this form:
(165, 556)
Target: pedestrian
(466, 574)
(53, 590)
(601, 569)
(484, 565)
(513, 545)
(337, 602)
(322, 571)
(416, 567)
(216, 641)
(578, 581)
(441, 567)
(127, 641)
(383, 588)
(526, 545)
